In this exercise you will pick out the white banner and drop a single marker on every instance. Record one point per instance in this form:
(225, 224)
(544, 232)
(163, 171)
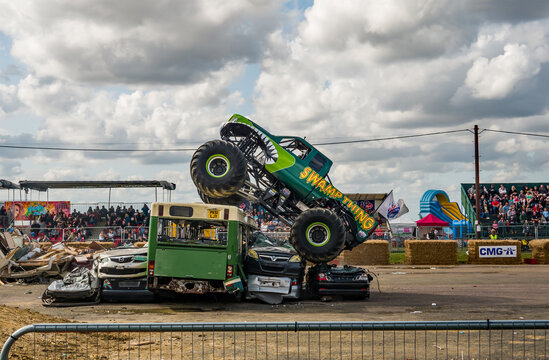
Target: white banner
(497, 251)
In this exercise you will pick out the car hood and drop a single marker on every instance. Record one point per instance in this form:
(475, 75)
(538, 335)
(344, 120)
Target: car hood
(123, 252)
(274, 249)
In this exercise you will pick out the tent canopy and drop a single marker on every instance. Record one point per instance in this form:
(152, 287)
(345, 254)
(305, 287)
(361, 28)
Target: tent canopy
(431, 220)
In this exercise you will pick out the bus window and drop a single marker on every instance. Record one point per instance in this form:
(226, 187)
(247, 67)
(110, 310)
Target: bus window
(204, 232)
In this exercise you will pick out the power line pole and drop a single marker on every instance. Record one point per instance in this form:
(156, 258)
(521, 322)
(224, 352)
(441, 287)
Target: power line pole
(477, 185)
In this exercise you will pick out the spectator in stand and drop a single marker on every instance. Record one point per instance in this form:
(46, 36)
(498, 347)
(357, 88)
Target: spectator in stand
(502, 191)
(145, 210)
(471, 192)
(522, 217)
(526, 228)
(493, 191)
(485, 193)
(495, 205)
(501, 226)
(542, 190)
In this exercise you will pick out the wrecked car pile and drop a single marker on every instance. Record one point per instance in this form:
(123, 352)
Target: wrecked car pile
(30, 261)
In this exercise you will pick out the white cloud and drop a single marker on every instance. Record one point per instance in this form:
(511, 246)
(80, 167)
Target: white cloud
(496, 78)
(8, 99)
(344, 70)
(169, 42)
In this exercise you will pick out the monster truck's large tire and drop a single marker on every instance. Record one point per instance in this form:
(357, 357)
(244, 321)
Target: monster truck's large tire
(218, 169)
(234, 200)
(318, 235)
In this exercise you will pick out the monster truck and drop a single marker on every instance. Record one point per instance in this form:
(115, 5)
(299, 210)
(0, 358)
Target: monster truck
(289, 178)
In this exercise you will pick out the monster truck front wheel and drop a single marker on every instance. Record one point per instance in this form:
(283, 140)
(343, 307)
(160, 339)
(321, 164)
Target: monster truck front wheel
(318, 235)
(218, 169)
(234, 200)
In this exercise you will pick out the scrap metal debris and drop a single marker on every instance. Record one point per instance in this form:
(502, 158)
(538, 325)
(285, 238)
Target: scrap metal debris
(26, 260)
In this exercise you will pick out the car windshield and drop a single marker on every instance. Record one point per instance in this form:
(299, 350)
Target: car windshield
(261, 240)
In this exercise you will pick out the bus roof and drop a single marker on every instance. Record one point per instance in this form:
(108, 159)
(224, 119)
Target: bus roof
(201, 211)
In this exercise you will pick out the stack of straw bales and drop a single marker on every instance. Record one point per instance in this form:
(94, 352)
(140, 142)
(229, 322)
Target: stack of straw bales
(371, 252)
(430, 252)
(474, 258)
(540, 250)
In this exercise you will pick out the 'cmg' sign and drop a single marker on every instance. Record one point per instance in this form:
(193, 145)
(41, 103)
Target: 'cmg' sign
(497, 251)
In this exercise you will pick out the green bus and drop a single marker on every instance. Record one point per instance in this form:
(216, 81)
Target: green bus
(198, 248)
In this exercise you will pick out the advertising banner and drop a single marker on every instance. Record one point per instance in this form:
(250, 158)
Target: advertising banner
(497, 251)
(28, 210)
(368, 205)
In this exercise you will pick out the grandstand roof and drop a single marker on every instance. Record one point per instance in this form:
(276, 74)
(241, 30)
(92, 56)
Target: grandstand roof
(359, 196)
(5, 184)
(45, 185)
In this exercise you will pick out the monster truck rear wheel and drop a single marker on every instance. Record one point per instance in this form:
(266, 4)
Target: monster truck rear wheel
(318, 235)
(218, 169)
(234, 200)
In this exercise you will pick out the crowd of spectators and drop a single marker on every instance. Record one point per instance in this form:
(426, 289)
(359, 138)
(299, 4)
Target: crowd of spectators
(119, 223)
(514, 209)
(264, 219)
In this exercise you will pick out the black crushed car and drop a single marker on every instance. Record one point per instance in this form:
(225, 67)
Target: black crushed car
(275, 270)
(332, 280)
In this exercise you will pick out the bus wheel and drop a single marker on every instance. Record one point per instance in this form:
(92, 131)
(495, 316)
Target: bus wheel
(234, 200)
(318, 235)
(218, 169)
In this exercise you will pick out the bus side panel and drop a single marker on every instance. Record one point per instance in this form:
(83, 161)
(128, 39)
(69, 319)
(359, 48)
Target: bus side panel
(153, 230)
(184, 262)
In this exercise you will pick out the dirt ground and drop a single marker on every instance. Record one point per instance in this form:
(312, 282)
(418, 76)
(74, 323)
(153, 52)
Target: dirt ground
(464, 292)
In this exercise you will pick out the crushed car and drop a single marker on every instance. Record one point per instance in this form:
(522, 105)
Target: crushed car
(325, 281)
(123, 274)
(79, 287)
(275, 270)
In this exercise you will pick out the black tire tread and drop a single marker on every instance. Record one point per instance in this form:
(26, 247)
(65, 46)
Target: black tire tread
(236, 177)
(329, 252)
(233, 200)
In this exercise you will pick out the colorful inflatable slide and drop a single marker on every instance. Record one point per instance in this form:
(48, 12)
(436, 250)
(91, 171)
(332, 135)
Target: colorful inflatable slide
(437, 202)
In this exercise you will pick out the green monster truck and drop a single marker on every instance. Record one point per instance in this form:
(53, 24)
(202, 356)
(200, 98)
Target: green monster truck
(289, 178)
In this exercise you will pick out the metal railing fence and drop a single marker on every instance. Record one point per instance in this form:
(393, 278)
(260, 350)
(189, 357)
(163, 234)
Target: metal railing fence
(524, 339)
(69, 234)
(530, 232)
(84, 206)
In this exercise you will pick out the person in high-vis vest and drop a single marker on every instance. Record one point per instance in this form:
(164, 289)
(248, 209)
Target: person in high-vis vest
(493, 235)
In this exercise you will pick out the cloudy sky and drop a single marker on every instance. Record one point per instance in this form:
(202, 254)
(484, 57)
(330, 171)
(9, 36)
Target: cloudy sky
(166, 74)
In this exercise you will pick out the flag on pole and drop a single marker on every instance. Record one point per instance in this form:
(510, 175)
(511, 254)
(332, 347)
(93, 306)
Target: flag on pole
(390, 209)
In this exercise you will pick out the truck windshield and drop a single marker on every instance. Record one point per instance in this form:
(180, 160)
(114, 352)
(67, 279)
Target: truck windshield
(203, 232)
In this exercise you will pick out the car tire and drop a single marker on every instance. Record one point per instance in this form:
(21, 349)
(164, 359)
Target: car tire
(318, 235)
(218, 169)
(233, 200)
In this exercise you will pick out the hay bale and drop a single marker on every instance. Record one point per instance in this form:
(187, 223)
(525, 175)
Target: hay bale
(540, 250)
(473, 246)
(430, 252)
(371, 252)
(139, 243)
